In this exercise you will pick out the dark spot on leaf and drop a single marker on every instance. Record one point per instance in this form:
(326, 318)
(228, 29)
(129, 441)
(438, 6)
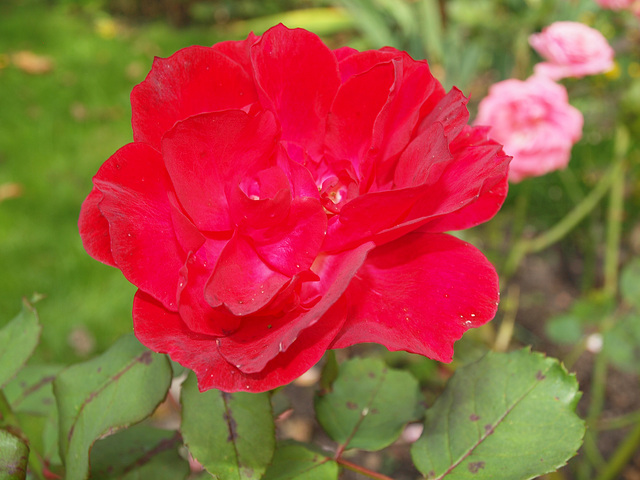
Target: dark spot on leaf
(145, 358)
(99, 369)
(47, 401)
(374, 411)
(540, 376)
(228, 418)
(352, 406)
(431, 475)
(488, 429)
(474, 467)
(473, 417)
(23, 384)
(372, 375)
(247, 472)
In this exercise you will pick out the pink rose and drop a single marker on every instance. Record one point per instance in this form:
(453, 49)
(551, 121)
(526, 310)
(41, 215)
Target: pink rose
(281, 198)
(571, 50)
(534, 122)
(615, 4)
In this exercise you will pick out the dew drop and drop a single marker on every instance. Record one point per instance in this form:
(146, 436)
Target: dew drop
(473, 314)
(281, 347)
(467, 323)
(297, 266)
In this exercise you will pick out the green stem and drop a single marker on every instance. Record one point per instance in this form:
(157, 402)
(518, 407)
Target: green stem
(10, 420)
(622, 455)
(361, 470)
(598, 384)
(525, 246)
(614, 214)
(619, 422)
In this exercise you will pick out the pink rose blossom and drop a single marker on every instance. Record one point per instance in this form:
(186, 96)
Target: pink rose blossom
(571, 50)
(534, 121)
(615, 4)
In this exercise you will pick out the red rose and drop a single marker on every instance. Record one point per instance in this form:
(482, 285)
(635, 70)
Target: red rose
(281, 198)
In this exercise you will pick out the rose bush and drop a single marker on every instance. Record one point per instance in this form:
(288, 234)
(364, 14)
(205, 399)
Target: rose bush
(571, 49)
(534, 122)
(280, 198)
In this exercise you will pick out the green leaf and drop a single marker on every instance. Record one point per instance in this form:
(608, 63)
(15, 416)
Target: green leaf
(18, 340)
(564, 329)
(139, 452)
(622, 343)
(294, 461)
(14, 455)
(630, 282)
(505, 416)
(369, 404)
(120, 387)
(30, 395)
(231, 434)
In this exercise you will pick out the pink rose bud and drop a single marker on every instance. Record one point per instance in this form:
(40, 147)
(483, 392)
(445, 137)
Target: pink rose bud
(534, 122)
(571, 50)
(281, 198)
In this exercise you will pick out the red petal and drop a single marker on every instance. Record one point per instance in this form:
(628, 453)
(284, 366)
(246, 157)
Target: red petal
(451, 111)
(397, 121)
(366, 215)
(260, 340)
(354, 111)
(241, 280)
(352, 62)
(239, 51)
(298, 79)
(164, 332)
(477, 170)
(291, 246)
(423, 161)
(196, 313)
(136, 205)
(420, 294)
(206, 153)
(94, 229)
(193, 80)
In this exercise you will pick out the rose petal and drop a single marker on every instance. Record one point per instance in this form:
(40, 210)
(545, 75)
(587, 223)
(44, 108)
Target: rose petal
(263, 339)
(196, 313)
(222, 144)
(239, 51)
(291, 246)
(193, 80)
(478, 169)
(94, 229)
(396, 124)
(354, 111)
(136, 205)
(298, 79)
(164, 332)
(420, 294)
(241, 281)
